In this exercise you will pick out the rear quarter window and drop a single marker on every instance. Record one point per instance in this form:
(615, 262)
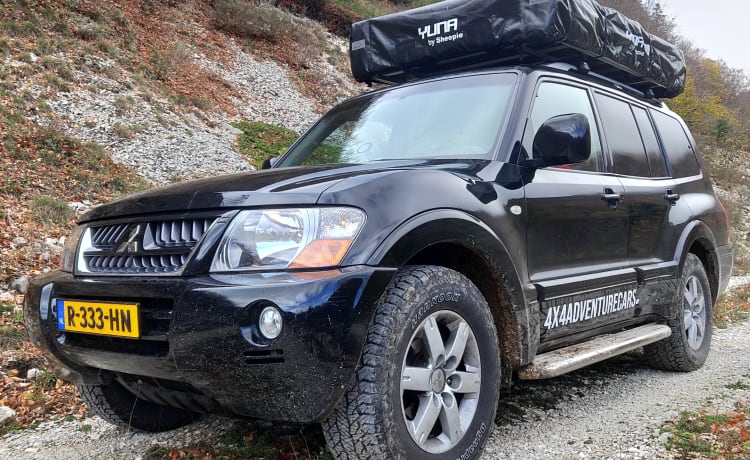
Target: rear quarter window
(651, 143)
(676, 145)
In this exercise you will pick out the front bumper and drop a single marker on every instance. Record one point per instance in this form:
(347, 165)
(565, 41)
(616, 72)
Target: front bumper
(199, 345)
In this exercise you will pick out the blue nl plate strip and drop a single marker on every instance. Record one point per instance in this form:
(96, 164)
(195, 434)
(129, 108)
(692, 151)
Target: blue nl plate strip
(61, 315)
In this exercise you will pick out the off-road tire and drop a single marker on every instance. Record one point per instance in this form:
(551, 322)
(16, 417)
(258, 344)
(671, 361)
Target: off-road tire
(675, 353)
(370, 422)
(118, 406)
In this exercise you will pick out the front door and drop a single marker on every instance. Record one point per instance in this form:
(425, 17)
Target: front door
(577, 229)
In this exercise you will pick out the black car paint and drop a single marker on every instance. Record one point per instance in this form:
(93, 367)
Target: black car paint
(412, 207)
(213, 343)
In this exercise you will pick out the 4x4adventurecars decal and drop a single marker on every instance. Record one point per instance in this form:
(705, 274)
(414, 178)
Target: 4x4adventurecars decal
(497, 216)
(571, 310)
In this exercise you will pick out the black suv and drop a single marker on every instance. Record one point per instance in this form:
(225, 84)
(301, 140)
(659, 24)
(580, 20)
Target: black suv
(417, 248)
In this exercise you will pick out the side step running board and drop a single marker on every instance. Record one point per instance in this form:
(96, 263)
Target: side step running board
(563, 360)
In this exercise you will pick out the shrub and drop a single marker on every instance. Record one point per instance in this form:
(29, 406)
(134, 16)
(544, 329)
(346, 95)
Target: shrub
(252, 19)
(260, 141)
(51, 210)
(166, 62)
(337, 18)
(127, 131)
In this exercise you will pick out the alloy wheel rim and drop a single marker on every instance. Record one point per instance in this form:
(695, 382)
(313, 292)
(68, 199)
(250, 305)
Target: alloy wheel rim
(440, 381)
(694, 313)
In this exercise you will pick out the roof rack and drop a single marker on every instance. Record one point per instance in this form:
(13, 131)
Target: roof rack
(583, 70)
(455, 35)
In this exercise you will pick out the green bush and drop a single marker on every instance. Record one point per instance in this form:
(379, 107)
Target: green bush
(50, 210)
(260, 141)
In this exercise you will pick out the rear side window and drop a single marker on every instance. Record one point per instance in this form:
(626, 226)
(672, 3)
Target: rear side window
(677, 146)
(623, 137)
(651, 143)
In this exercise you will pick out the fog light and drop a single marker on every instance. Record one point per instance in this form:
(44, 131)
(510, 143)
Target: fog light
(269, 323)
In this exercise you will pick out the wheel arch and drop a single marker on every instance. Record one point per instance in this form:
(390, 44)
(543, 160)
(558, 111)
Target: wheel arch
(698, 239)
(461, 242)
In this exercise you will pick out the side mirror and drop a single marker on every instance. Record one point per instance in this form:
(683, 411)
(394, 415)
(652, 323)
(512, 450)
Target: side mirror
(268, 163)
(562, 140)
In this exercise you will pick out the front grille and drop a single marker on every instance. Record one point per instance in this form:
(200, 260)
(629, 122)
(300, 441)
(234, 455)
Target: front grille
(164, 263)
(154, 319)
(149, 247)
(108, 236)
(178, 233)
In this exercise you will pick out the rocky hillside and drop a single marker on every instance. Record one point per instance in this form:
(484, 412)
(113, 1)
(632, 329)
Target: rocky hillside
(99, 99)
(157, 89)
(152, 87)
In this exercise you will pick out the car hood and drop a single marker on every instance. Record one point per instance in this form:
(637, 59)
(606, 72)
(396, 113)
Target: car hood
(273, 187)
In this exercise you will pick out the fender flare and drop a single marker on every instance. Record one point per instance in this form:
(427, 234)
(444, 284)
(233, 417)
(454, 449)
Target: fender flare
(693, 232)
(463, 229)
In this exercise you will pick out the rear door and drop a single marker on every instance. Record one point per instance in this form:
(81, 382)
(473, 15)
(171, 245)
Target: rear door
(649, 196)
(649, 189)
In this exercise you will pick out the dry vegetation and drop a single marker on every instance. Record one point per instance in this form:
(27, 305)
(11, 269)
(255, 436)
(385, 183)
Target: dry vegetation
(44, 47)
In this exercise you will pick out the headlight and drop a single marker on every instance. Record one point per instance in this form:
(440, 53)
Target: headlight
(69, 250)
(288, 238)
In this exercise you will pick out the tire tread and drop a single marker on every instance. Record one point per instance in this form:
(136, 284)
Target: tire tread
(672, 353)
(354, 430)
(118, 406)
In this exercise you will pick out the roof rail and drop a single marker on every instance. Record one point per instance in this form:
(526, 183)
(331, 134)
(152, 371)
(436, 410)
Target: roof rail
(583, 70)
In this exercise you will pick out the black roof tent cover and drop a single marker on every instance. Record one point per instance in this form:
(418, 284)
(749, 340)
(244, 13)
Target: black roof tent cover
(466, 34)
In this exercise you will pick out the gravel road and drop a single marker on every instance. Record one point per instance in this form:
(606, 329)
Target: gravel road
(615, 409)
(610, 410)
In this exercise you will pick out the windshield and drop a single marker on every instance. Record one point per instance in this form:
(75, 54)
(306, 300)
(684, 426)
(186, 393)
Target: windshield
(452, 118)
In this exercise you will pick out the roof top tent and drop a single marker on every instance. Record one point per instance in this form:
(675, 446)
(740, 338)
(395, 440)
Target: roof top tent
(467, 34)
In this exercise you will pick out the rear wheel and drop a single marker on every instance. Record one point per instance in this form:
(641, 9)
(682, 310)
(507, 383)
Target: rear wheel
(118, 406)
(687, 348)
(428, 382)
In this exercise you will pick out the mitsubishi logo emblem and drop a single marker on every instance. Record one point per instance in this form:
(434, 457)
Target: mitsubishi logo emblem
(131, 243)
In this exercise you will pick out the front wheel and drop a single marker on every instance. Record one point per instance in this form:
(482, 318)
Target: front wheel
(428, 381)
(687, 348)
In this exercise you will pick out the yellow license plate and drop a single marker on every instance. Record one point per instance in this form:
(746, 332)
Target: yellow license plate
(101, 318)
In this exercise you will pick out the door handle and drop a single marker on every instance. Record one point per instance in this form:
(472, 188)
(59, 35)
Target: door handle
(611, 197)
(671, 196)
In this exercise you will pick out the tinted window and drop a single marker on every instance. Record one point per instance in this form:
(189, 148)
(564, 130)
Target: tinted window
(655, 157)
(676, 144)
(554, 99)
(623, 137)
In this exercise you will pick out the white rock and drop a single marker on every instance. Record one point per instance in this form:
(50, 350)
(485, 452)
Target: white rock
(34, 374)
(19, 241)
(6, 414)
(665, 437)
(20, 284)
